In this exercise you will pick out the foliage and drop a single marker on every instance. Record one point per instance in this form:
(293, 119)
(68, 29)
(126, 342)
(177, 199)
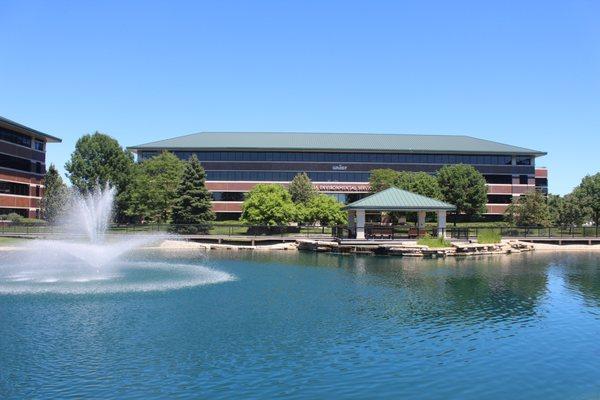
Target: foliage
(268, 205)
(588, 196)
(434, 242)
(153, 189)
(12, 217)
(323, 209)
(416, 182)
(488, 236)
(529, 209)
(56, 195)
(463, 186)
(99, 160)
(420, 183)
(192, 205)
(568, 211)
(382, 179)
(301, 188)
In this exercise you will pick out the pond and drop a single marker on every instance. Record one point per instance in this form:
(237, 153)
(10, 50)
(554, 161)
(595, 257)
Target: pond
(305, 326)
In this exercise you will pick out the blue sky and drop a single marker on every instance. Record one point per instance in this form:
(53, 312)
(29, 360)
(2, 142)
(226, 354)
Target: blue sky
(524, 73)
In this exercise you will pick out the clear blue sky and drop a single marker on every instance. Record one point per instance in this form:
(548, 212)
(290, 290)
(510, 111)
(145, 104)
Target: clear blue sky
(521, 72)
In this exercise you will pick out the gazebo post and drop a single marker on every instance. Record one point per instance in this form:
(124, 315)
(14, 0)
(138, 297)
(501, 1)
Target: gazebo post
(352, 221)
(360, 224)
(420, 221)
(441, 217)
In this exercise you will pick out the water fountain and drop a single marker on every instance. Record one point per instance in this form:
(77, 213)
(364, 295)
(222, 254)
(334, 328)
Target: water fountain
(83, 257)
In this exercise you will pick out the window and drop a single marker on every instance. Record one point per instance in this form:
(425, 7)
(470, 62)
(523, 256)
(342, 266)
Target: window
(18, 189)
(15, 137)
(523, 179)
(499, 198)
(15, 162)
(39, 145)
(228, 196)
(37, 191)
(523, 160)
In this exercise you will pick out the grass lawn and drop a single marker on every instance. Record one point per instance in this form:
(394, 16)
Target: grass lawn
(8, 241)
(433, 242)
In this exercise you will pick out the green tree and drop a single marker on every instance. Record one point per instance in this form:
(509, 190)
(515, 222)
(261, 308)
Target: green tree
(381, 179)
(529, 209)
(56, 195)
(192, 204)
(555, 203)
(99, 160)
(268, 205)
(420, 183)
(326, 210)
(588, 195)
(463, 186)
(301, 188)
(570, 212)
(153, 189)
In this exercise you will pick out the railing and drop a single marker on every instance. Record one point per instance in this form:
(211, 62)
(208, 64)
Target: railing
(211, 229)
(343, 231)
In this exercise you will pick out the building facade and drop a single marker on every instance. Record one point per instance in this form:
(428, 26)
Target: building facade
(340, 164)
(22, 168)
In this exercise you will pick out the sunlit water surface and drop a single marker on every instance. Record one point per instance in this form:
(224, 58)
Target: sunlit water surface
(251, 325)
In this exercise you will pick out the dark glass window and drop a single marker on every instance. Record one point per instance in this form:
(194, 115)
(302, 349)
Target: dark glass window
(523, 160)
(39, 145)
(12, 162)
(507, 179)
(14, 188)
(15, 137)
(228, 196)
(523, 179)
(499, 198)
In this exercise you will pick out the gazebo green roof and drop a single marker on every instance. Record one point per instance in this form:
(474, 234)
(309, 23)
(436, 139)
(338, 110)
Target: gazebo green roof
(394, 199)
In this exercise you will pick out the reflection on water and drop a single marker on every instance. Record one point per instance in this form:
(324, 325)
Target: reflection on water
(310, 325)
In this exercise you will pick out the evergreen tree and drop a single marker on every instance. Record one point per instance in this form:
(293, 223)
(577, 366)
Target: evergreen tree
(55, 196)
(193, 203)
(301, 189)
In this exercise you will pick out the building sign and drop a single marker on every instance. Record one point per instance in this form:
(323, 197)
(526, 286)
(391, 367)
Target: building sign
(343, 188)
(339, 167)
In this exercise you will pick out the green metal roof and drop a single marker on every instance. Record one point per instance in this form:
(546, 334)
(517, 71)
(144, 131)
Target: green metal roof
(25, 129)
(394, 199)
(335, 142)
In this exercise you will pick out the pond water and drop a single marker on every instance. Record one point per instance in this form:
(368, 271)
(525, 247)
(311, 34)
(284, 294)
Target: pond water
(305, 326)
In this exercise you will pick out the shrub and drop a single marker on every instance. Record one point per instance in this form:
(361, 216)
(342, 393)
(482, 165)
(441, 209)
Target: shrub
(435, 242)
(488, 236)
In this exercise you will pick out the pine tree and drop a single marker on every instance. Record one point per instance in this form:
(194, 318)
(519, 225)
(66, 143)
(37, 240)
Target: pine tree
(55, 195)
(193, 203)
(301, 188)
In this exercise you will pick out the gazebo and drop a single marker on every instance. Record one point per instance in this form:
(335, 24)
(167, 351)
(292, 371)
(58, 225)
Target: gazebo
(394, 199)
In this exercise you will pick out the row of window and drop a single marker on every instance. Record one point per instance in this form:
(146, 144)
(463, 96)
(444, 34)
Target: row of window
(20, 139)
(22, 164)
(14, 188)
(326, 176)
(286, 176)
(14, 137)
(239, 196)
(390, 158)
